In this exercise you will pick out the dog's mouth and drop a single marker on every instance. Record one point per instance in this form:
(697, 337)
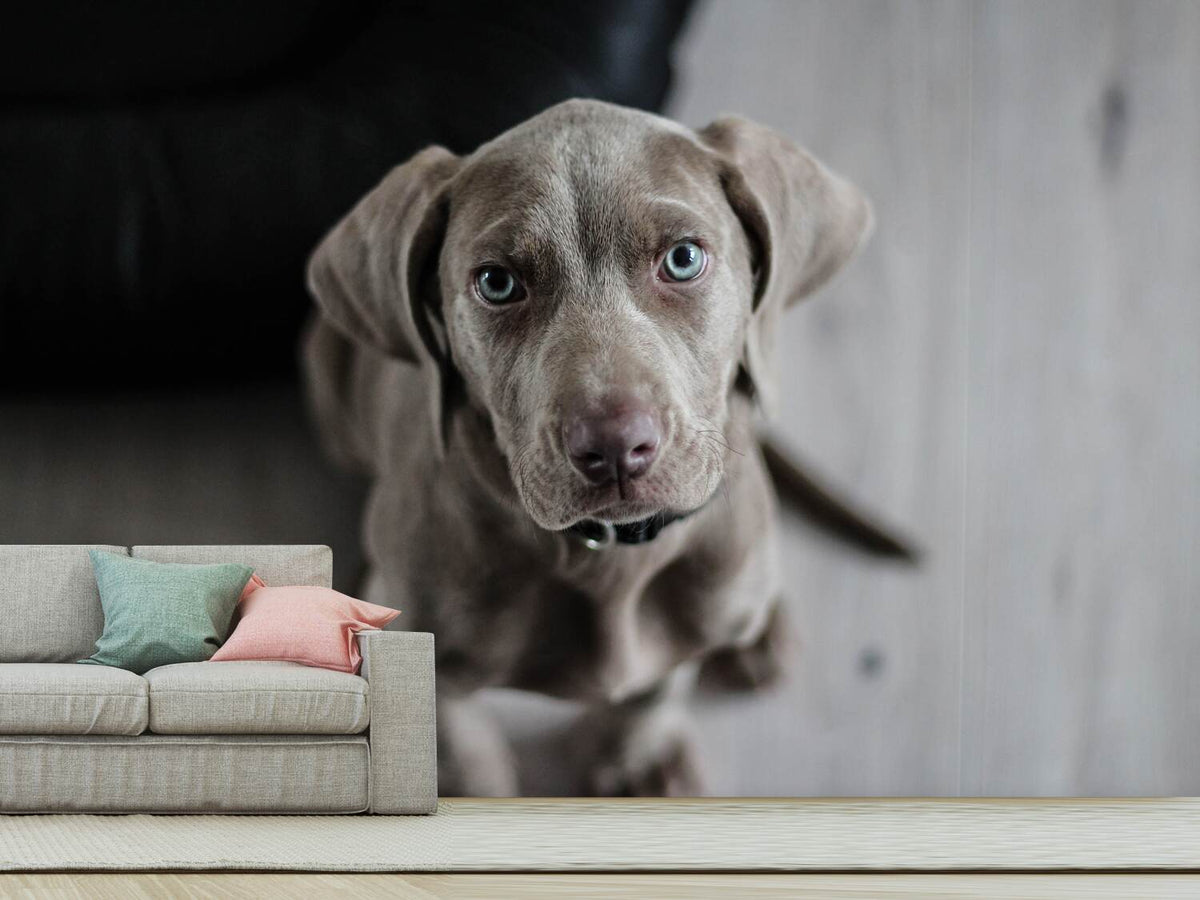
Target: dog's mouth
(632, 504)
(604, 505)
(618, 504)
(623, 513)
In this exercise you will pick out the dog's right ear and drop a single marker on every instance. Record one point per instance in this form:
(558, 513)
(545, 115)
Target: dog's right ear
(804, 221)
(374, 276)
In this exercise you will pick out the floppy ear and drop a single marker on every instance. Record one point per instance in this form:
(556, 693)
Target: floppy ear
(804, 223)
(374, 276)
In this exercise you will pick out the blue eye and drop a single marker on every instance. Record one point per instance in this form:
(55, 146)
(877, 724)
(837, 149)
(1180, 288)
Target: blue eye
(497, 285)
(684, 261)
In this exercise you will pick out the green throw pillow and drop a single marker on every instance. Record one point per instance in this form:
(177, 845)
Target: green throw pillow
(157, 613)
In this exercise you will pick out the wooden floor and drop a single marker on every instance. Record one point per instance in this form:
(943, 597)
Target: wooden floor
(637, 836)
(627, 848)
(660, 887)
(1012, 369)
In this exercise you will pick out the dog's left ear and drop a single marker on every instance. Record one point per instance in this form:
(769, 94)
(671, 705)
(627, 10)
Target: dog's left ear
(804, 223)
(374, 276)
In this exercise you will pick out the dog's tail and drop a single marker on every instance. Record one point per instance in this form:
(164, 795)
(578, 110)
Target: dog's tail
(819, 505)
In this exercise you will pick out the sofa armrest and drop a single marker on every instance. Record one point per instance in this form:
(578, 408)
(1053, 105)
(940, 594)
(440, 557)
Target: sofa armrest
(398, 665)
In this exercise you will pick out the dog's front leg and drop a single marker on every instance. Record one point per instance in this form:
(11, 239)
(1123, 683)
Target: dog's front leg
(643, 746)
(474, 757)
(757, 665)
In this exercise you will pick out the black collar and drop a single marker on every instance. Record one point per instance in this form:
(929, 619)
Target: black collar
(597, 535)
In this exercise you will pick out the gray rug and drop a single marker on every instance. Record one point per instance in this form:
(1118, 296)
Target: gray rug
(637, 835)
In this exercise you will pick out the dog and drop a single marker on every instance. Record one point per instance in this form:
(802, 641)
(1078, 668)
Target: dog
(548, 357)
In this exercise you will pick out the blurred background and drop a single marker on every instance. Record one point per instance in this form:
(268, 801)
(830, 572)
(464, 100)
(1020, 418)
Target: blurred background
(1010, 371)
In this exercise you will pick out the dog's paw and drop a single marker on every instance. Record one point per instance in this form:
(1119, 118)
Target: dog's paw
(671, 770)
(754, 667)
(474, 758)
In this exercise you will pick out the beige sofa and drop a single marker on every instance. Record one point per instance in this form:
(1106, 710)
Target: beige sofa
(236, 737)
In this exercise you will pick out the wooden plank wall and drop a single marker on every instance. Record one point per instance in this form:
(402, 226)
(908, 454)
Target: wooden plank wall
(1012, 369)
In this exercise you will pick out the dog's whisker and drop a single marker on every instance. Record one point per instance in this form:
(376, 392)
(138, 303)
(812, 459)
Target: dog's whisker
(708, 436)
(722, 440)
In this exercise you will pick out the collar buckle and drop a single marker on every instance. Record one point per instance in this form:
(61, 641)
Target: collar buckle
(598, 535)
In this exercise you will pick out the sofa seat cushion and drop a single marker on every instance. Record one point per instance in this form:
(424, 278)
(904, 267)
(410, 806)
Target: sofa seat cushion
(251, 697)
(66, 698)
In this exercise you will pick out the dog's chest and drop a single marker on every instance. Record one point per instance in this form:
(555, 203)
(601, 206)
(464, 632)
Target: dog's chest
(604, 626)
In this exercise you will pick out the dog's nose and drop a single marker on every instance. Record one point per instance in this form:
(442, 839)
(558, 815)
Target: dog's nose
(618, 445)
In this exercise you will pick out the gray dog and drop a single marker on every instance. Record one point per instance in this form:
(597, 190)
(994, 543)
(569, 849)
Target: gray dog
(547, 356)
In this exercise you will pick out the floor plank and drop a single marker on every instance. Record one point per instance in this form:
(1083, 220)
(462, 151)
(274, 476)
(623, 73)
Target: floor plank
(1083, 465)
(873, 372)
(577, 835)
(664, 887)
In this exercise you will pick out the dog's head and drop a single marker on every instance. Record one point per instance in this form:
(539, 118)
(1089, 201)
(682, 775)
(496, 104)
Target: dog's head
(602, 281)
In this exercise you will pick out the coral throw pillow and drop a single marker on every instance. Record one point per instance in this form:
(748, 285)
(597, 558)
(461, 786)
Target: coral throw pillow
(251, 586)
(314, 626)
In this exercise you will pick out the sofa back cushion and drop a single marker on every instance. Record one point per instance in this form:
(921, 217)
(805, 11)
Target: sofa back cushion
(275, 564)
(49, 605)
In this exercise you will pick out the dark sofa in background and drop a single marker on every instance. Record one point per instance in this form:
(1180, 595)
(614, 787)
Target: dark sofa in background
(165, 170)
